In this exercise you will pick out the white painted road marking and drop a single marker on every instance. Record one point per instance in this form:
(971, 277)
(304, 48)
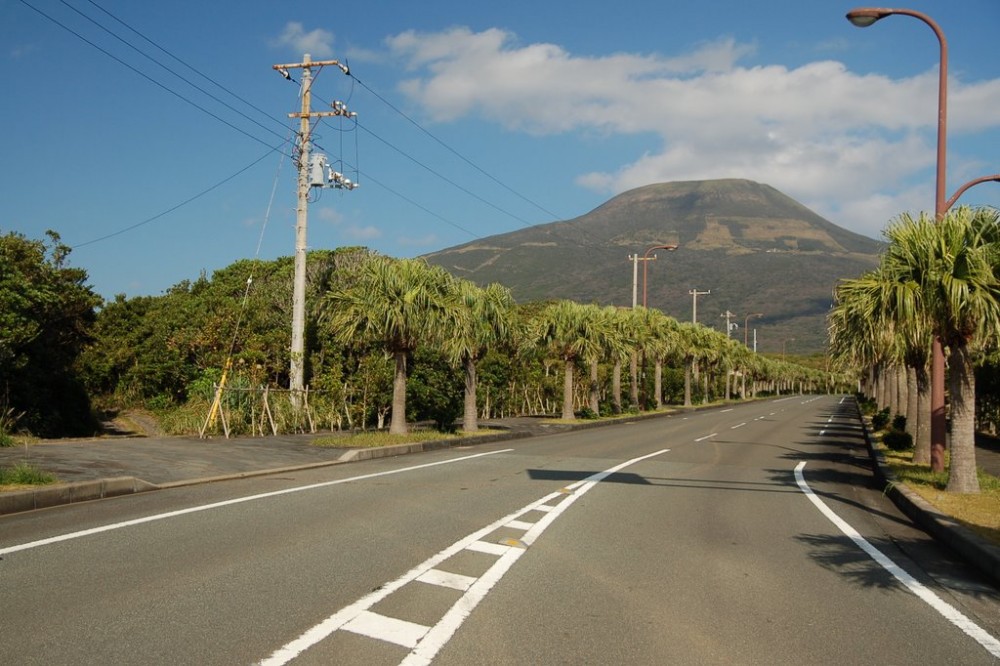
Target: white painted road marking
(738, 425)
(706, 437)
(951, 613)
(238, 500)
(426, 642)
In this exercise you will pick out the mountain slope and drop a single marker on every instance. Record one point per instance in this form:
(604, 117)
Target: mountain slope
(755, 248)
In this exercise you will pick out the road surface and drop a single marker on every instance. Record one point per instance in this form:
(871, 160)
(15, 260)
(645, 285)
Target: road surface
(739, 535)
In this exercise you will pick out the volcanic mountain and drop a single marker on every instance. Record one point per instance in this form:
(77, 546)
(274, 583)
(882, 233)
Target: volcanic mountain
(755, 249)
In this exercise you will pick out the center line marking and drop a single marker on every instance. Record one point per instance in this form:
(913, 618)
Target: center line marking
(706, 437)
(738, 425)
(425, 642)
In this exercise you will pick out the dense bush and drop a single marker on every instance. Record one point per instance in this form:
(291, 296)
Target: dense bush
(880, 419)
(897, 440)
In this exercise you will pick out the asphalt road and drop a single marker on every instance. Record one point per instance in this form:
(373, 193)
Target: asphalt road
(746, 535)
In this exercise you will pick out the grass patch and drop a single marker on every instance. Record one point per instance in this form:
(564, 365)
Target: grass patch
(980, 513)
(365, 440)
(23, 474)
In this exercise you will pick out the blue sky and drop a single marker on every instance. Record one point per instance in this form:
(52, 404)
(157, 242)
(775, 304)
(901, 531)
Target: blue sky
(474, 118)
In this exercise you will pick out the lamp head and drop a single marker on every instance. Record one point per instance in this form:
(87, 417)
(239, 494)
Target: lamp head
(866, 16)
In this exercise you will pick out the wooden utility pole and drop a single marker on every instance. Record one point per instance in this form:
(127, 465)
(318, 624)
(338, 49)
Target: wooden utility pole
(297, 371)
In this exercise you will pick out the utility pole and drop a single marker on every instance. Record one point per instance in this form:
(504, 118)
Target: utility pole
(729, 327)
(694, 302)
(635, 259)
(305, 184)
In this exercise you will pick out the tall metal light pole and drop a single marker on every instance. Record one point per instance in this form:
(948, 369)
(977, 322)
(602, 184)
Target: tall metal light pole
(862, 18)
(645, 259)
(746, 325)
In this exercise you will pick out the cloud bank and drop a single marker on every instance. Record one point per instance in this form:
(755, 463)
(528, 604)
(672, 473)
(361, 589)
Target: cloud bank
(858, 149)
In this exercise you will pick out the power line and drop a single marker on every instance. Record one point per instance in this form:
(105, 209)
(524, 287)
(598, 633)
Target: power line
(144, 75)
(453, 151)
(181, 204)
(182, 78)
(191, 67)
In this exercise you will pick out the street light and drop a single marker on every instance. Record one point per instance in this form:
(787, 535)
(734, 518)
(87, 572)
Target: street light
(746, 324)
(645, 259)
(960, 191)
(864, 17)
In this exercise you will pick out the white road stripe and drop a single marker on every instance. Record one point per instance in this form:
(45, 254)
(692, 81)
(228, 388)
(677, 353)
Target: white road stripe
(238, 500)
(439, 635)
(706, 437)
(447, 579)
(951, 613)
(738, 425)
(389, 629)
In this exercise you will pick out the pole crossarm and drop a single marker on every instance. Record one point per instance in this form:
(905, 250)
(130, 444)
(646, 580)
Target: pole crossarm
(311, 63)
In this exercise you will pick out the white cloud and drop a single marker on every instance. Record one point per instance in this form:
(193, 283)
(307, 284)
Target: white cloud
(317, 43)
(852, 145)
(366, 233)
(428, 240)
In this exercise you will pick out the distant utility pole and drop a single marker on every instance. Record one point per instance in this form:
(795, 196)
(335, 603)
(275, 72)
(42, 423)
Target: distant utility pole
(635, 259)
(310, 175)
(729, 327)
(694, 302)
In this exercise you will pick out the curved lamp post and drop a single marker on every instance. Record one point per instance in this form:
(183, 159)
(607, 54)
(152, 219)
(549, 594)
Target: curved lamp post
(746, 324)
(645, 260)
(864, 17)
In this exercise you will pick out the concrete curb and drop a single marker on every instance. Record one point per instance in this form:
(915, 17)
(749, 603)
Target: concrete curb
(68, 493)
(978, 551)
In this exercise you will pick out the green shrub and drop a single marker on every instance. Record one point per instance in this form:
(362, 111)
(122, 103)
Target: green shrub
(587, 413)
(899, 423)
(897, 440)
(880, 419)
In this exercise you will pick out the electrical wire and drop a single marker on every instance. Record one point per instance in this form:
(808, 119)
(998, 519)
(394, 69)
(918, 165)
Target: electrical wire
(183, 203)
(143, 74)
(191, 67)
(182, 78)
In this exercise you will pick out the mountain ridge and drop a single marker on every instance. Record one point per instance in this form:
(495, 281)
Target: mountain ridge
(755, 248)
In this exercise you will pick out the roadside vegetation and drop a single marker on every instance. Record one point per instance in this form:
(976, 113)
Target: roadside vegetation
(979, 512)
(23, 474)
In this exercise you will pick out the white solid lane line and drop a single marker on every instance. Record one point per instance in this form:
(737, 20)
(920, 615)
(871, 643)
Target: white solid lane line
(238, 500)
(425, 642)
(951, 613)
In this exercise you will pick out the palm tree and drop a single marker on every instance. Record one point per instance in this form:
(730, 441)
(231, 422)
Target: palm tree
(570, 332)
(661, 344)
(491, 320)
(955, 265)
(396, 304)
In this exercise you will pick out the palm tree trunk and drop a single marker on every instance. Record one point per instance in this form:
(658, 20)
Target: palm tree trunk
(470, 421)
(912, 407)
(962, 472)
(595, 403)
(687, 383)
(658, 383)
(567, 410)
(893, 392)
(616, 388)
(397, 426)
(922, 438)
(633, 391)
